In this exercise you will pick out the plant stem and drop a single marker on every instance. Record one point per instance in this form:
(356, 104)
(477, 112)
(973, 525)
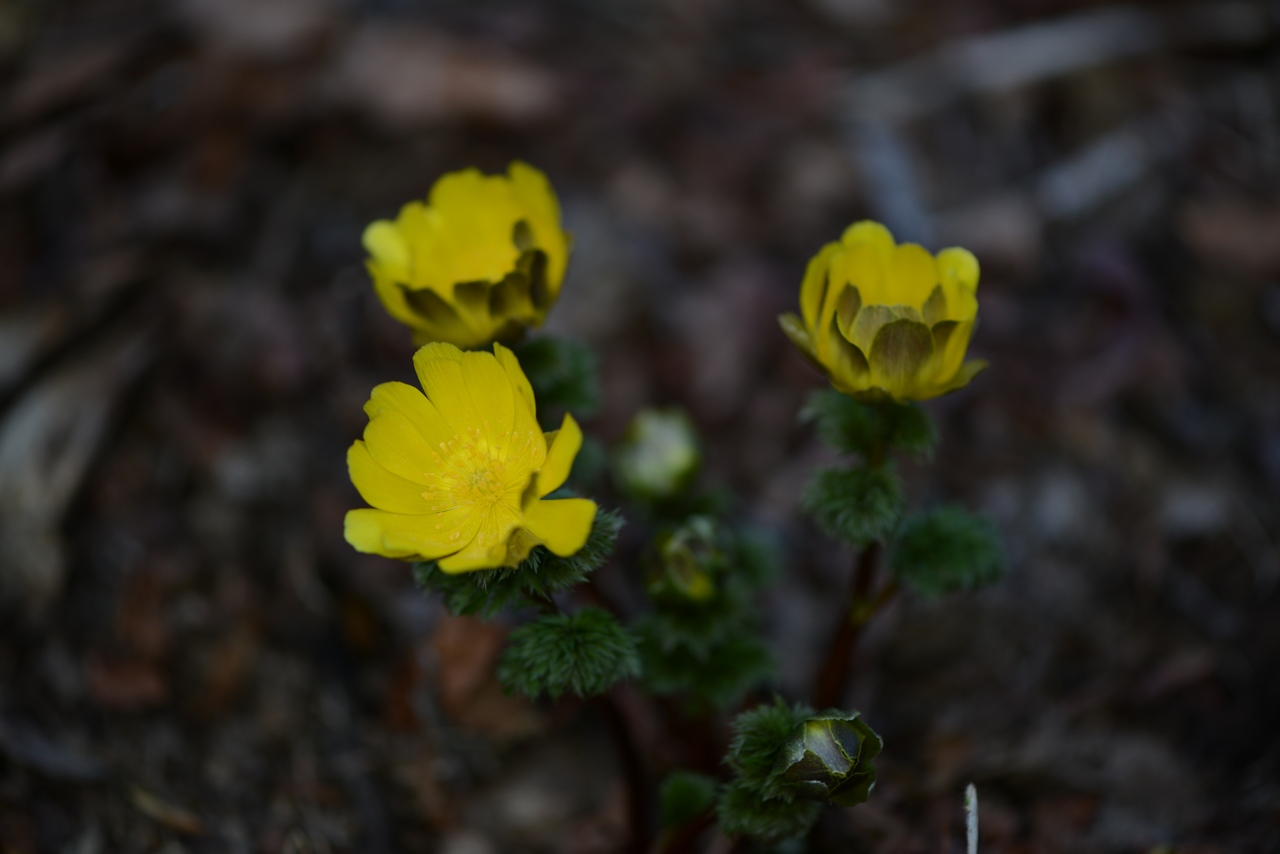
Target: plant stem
(639, 815)
(833, 676)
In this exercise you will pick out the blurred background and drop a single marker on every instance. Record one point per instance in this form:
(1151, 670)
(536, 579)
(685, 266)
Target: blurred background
(192, 659)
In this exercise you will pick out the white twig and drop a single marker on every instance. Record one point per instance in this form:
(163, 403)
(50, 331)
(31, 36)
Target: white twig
(971, 817)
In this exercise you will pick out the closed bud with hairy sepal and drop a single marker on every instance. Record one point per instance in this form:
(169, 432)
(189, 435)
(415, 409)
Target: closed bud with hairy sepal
(829, 758)
(684, 561)
(658, 456)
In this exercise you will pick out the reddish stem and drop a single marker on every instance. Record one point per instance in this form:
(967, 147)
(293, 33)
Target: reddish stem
(833, 676)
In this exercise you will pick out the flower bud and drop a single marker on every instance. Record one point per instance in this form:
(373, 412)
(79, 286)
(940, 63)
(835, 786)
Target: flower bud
(829, 758)
(685, 560)
(658, 455)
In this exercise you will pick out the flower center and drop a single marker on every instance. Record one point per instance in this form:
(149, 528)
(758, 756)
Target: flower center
(471, 470)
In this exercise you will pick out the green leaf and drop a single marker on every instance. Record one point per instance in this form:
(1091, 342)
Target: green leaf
(858, 505)
(487, 591)
(684, 796)
(584, 653)
(563, 375)
(853, 427)
(744, 810)
(947, 549)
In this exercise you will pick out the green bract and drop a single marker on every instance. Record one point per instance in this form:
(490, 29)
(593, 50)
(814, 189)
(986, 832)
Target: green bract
(584, 653)
(757, 802)
(852, 427)
(486, 592)
(858, 505)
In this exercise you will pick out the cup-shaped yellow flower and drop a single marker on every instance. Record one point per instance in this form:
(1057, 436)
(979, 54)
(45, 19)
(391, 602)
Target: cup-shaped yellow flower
(481, 261)
(460, 475)
(888, 320)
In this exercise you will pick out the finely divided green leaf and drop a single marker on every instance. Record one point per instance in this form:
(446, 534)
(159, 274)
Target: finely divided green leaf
(947, 549)
(584, 654)
(858, 505)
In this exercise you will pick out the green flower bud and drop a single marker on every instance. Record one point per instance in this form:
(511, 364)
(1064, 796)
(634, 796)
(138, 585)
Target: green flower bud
(658, 455)
(685, 561)
(829, 758)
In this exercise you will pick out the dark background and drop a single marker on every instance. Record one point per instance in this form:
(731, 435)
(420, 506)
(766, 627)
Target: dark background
(192, 659)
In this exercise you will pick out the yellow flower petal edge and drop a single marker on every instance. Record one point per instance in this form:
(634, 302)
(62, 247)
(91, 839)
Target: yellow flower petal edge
(480, 261)
(887, 320)
(461, 474)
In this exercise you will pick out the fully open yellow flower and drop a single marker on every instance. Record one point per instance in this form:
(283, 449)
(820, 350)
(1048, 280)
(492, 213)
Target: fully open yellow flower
(461, 474)
(888, 320)
(481, 261)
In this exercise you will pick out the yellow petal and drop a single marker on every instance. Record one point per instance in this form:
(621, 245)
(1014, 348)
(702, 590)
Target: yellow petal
(396, 446)
(962, 378)
(958, 273)
(951, 341)
(392, 296)
(532, 192)
(386, 244)
(870, 234)
(813, 289)
(563, 524)
(562, 447)
(410, 403)
(471, 390)
(381, 488)
(793, 327)
(869, 247)
(912, 275)
(848, 367)
(488, 549)
(475, 556)
(901, 349)
(516, 373)
(399, 536)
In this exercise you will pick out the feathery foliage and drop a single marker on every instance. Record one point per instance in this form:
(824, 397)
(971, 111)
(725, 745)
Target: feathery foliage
(852, 427)
(702, 639)
(945, 550)
(743, 810)
(859, 504)
(756, 803)
(485, 592)
(584, 653)
(719, 679)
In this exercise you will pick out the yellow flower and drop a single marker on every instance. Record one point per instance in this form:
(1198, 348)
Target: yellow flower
(482, 260)
(882, 319)
(460, 475)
